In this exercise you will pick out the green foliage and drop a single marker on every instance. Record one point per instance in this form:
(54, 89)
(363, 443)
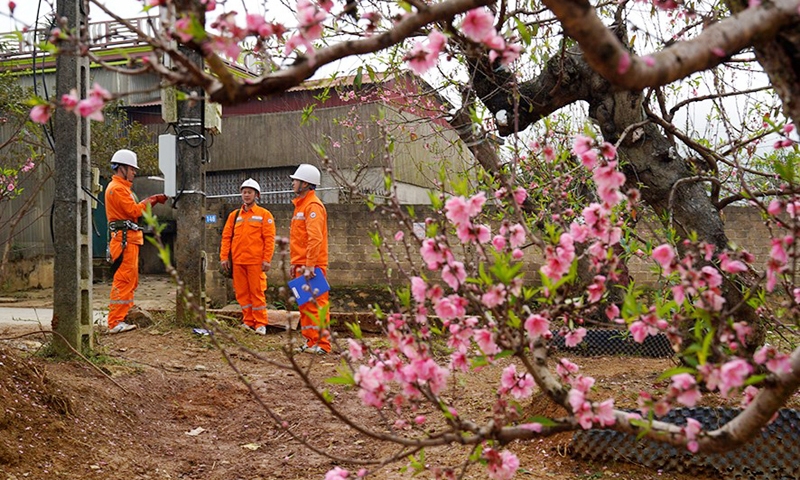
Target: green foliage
(403, 295)
(345, 376)
(308, 114)
(377, 239)
(327, 396)
(786, 168)
(24, 148)
(355, 329)
(417, 464)
(118, 131)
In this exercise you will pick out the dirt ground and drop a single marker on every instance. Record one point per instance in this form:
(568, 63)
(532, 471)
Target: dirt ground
(162, 403)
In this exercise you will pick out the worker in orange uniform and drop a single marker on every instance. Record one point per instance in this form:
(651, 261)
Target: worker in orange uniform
(248, 242)
(308, 249)
(123, 210)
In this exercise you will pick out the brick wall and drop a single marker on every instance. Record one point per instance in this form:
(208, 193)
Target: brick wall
(354, 262)
(743, 225)
(351, 253)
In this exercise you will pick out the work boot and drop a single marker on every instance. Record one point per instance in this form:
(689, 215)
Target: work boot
(122, 327)
(316, 350)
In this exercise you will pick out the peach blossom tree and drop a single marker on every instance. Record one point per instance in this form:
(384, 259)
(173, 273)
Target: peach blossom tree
(565, 193)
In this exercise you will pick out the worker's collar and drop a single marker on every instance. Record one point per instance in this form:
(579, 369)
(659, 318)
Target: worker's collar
(124, 180)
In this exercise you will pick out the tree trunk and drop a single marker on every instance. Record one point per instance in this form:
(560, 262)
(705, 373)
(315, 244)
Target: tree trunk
(647, 157)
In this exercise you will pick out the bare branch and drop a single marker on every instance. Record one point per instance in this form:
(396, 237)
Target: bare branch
(608, 55)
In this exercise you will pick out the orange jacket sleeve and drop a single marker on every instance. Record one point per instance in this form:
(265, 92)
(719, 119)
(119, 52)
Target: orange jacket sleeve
(227, 234)
(268, 234)
(315, 233)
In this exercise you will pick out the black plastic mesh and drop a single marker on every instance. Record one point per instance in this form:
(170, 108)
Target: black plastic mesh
(774, 454)
(616, 342)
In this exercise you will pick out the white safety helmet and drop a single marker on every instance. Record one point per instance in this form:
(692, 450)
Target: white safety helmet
(124, 157)
(307, 173)
(251, 184)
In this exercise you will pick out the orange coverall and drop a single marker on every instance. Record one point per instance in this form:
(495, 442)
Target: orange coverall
(308, 246)
(122, 204)
(253, 233)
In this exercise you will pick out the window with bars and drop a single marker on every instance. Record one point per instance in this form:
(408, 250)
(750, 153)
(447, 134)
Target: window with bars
(276, 187)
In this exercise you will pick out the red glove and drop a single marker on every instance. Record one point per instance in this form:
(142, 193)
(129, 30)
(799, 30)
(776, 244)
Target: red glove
(156, 199)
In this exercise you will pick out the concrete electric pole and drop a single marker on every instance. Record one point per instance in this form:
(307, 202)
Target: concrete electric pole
(190, 242)
(72, 215)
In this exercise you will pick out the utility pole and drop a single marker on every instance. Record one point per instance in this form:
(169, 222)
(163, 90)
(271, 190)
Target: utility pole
(72, 292)
(190, 241)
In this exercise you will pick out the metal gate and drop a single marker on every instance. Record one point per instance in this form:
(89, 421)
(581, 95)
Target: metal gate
(276, 186)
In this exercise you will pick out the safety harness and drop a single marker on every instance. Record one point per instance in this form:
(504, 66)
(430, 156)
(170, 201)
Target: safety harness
(120, 226)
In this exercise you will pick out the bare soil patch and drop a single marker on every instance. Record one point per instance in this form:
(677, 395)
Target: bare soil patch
(173, 408)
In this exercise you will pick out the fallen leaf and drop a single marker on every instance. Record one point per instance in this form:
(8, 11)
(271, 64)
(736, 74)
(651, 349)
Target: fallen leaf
(251, 446)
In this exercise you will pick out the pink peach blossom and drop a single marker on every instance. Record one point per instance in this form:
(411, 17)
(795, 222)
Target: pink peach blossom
(604, 413)
(41, 113)
(608, 150)
(733, 374)
(516, 235)
(418, 289)
(456, 210)
(499, 242)
(494, 296)
(575, 337)
(775, 207)
(589, 159)
(478, 24)
(533, 427)
(337, 474)
(70, 100)
(686, 388)
(520, 194)
(454, 274)
(91, 108)
(596, 289)
(503, 467)
(732, 266)
(624, 63)
(183, 29)
(664, 255)
(582, 144)
(536, 325)
(485, 340)
(355, 349)
(520, 386)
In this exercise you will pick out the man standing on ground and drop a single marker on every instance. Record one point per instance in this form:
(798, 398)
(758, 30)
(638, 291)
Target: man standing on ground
(248, 242)
(123, 210)
(308, 249)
